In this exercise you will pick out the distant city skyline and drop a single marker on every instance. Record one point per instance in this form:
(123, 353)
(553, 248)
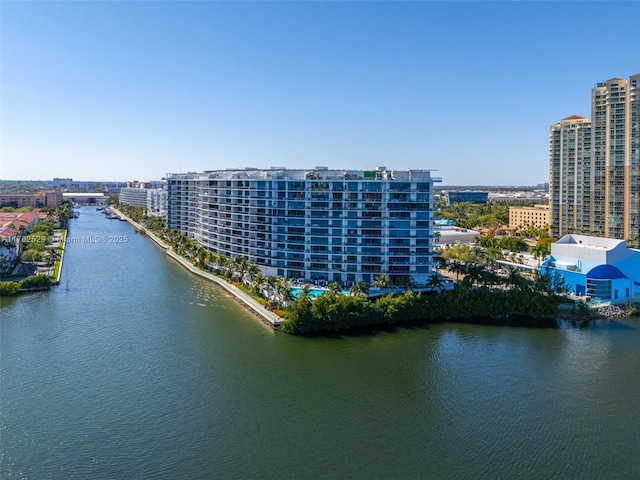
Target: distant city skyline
(118, 91)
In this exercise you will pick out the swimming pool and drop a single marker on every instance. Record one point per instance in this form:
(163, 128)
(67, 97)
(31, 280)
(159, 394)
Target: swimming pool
(313, 292)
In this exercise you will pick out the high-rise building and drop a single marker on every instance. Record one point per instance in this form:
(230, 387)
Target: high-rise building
(150, 195)
(569, 159)
(317, 224)
(594, 167)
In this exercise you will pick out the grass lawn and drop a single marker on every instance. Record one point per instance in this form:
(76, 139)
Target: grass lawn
(58, 265)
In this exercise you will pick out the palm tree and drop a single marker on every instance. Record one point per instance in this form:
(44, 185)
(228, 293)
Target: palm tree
(474, 274)
(334, 287)
(540, 251)
(220, 261)
(251, 271)
(514, 279)
(492, 254)
(64, 212)
(381, 281)
(458, 268)
(258, 282)
(239, 266)
(359, 289)
(200, 258)
(283, 291)
(435, 282)
(304, 293)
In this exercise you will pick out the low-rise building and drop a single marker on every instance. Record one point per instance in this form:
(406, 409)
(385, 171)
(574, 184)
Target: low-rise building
(84, 198)
(12, 227)
(539, 216)
(447, 233)
(52, 198)
(601, 268)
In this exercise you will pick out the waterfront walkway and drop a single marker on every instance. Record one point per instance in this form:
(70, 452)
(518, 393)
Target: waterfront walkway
(267, 316)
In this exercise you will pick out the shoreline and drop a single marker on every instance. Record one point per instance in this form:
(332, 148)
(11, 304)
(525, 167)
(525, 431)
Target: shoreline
(267, 317)
(272, 320)
(62, 247)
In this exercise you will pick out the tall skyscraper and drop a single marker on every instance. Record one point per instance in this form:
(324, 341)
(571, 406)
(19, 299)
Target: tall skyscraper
(569, 159)
(594, 167)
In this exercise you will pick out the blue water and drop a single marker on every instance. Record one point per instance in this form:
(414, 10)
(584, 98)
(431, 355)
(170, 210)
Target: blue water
(135, 369)
(314, 292)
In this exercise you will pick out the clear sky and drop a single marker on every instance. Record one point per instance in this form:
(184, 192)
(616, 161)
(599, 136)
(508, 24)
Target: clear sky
(118, 90)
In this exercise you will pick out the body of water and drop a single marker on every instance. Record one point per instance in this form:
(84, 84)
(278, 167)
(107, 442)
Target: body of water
(133, 368)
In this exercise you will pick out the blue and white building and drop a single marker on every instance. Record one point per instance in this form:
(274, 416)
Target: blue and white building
(316, 224)
(601, 268)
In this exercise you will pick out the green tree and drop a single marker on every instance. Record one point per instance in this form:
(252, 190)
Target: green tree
(435, 282)
(359, 289)
(39, 280)
(9, 288)
(381, 281)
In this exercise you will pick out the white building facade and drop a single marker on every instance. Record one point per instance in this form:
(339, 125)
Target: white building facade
(157, 202)
(316, 224)
(154, 200)
(136, 197)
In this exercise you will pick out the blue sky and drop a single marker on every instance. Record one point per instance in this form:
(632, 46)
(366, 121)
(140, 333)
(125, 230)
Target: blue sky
(118, 90)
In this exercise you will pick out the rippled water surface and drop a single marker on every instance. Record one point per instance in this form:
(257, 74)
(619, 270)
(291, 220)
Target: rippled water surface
(132, 368)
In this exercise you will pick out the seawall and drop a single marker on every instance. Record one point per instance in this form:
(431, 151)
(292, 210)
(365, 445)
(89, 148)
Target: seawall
(266, 316)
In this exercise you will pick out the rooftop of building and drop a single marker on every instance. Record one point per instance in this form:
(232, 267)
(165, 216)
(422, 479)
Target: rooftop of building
(82, 195)
(586, 241)
(575, 117)
(317, 173)
(10, 222)
(535, 207)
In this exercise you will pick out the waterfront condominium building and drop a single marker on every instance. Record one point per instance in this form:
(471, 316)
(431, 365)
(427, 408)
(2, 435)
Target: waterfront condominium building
(615, 114)
(569, 164)
(595, 166)
(317, 224)
(157, 202)
(134, 196)
(149, 195)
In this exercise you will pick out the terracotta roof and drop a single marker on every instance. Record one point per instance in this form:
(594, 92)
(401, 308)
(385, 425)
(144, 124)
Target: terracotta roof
(575, 117)
(25, 219)
(8, 232)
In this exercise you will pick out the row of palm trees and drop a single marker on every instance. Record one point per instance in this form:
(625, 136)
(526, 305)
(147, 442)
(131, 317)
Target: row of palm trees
(479, 275)
(274, 289)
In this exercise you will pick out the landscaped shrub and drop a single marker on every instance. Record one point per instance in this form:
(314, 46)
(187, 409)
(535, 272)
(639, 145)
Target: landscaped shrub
(9, 288)
(40, 280)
